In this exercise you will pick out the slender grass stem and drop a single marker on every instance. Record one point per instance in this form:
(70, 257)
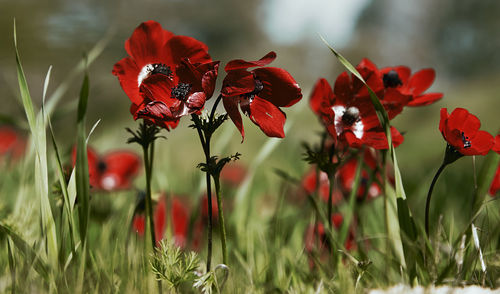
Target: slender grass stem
(429, 195)
(222, 226)
(331, 179)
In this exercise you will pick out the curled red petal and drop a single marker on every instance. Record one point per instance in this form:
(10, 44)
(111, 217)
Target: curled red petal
(231, 106)
(268, 117)
(242, 64)
(195, 102)
(425, 99)
(279, 87)
(156, 110)
(238, 82)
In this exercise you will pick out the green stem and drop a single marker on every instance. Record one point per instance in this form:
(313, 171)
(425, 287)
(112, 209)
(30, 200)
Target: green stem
(429, 195)
(222, 226)
(149, 204)
(212, 113)
(331, 179)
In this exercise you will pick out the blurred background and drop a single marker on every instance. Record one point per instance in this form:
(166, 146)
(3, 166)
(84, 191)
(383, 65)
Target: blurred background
(458, 38)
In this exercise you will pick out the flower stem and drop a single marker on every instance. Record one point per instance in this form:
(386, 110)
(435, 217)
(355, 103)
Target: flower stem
(212, 113)
(149, 204)
(331, 180)
(428, 201)
(222, 226)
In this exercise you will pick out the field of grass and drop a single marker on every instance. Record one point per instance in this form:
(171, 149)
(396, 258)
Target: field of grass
(58, 235)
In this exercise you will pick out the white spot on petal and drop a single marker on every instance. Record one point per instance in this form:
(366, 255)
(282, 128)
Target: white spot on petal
(145, 72)
(109, 182)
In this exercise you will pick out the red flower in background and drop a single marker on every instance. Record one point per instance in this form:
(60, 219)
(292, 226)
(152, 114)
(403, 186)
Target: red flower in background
(233, 174)
(460, 129)
(166, 76)
(348, 113)
(260, 93)
(309, 183)
(398, 80)
(495, 184)
(12, 144)
(179, 220)
(347, 175)
(113, 171)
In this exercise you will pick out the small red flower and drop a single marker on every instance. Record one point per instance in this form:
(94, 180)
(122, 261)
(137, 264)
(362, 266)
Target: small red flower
(233, 174)
(347, 174)
(166, 76)
(495, 184)
(113, 171)
(179, 220)
(461, 130)
(348, 113)
(12, 144)
(398, 81)
(309, 183)
(260, 93)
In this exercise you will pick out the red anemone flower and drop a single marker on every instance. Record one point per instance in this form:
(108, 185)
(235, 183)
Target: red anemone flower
(11, 143)
(398, 81)
(460, 129)
(260, 93)
(348, 171)
(179, 220)
(348, 113)
(166, 76)
(113, 171)
(309, 183)
(495, 184)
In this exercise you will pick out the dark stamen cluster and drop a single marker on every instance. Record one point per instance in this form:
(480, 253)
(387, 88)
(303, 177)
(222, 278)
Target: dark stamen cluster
(161, 69)
(101, 166)
(180, 91)
(350, 116)
(466, 141)
(258, 88)
(391, 79)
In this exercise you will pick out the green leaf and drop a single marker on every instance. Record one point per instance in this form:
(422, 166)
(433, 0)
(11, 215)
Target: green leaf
(81, 166)
(37, 127)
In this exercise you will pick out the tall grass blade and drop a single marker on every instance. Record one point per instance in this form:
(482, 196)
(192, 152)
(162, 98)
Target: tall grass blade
(37, 127)
(81, 166)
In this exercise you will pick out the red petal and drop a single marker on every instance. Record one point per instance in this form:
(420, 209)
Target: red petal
(180, 222)
(208, 80)
(160, 217)
(421, 81)
(196, 101)
(322, 94)
(146, 43)
(156, 110)
(139, 224)
(443, 121)
(231, 106)
(268, 117)
(121, 168)
(242, 64)
(279, 86)
(179, 47)
(404, 72)
(495, 184)
(481, 144)
(158, 88)
(463, 121)
(238, 82)
(496, 147)
(342, 88)
(127, 72)
(425, 99)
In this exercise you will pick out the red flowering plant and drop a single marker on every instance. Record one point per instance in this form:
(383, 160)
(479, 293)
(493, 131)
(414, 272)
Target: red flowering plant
(12, 144)
(460, 129)
(112, 171)
(168, 76)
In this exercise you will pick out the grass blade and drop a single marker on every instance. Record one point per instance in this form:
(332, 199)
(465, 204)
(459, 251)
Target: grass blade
(37, 127)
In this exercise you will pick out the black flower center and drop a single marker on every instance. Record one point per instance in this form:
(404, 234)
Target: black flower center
(160, 68)
(257, 89)
(180, 91)
(350, 116)
(466, 141)
(101, 166)
(391, 79)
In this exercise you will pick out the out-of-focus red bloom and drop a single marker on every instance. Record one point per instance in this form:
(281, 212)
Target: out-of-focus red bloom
(316, 239)
(309, 183)
(495, 184)
(12, 144)
(260, 93)
(165, 76)
(496, 147)
(398, 81)
(460, 129)
(113, 171)
(179, 220)
(348, 113)
(347, 174)
(233, 174)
